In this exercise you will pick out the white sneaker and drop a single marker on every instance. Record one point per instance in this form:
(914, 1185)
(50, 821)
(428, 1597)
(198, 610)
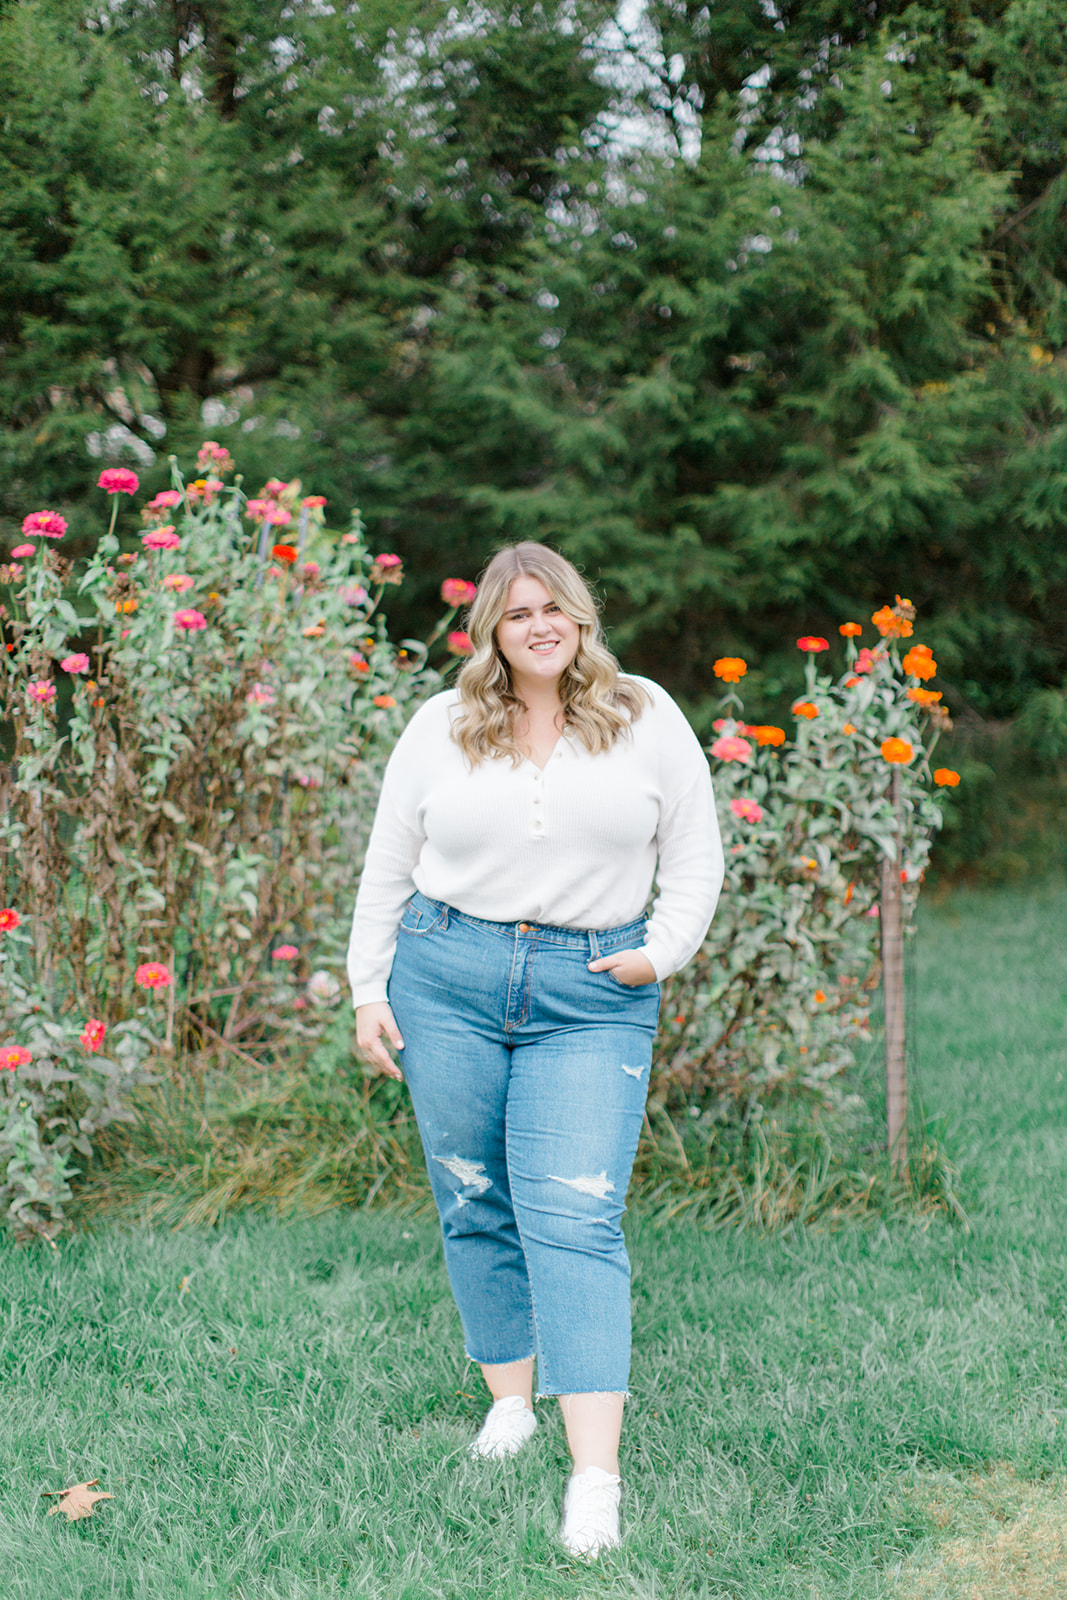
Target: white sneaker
(591, 1513)
(508, 1425)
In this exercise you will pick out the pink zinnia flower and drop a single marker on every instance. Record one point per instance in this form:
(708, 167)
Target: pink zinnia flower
(12, 571)
(211, 453)
(161, 539)
(118, 480)
(42, 691)
(79, 662)
(865, 660)
(731, 748)
(459, 643)
(14, 1055)
(354, 594)
(92, 1035)
(9, 919)
(310, 571)
(458, 592)
(387, 569)
(285, 952)
(22, 550)
(190, 620)
(152, 975)
(260, 694)
(46, 524)
(257, 509)
(178, 580)
(746, 810)
(165, 500)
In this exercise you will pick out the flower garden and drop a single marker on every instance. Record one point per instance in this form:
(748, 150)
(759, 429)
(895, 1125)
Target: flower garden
(197, 719)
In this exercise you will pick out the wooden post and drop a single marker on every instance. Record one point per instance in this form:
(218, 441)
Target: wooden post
(896, 1072)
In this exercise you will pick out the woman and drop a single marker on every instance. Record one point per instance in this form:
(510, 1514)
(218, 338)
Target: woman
(499, 945)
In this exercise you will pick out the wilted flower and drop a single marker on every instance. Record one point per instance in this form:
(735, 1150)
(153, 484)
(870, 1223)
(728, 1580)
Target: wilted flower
(386, 701)
(285, 952)
(310, 571)
(161, 539)
(924, 697)
(731, 748)
(804, 708)
(260, 694)
(22, 550)
(850, 630)
(746, 810)
(812, 643)
(9, 918)
(41, 691)
(78, 662)
(353, 594)
(459, 643)
(324, 987)
(190, 620)
(92, 1035)
(457, 591)
(14, 1055)
(897, 752)
(118, 480)
(152, 975)
(45, 524)
(179, 581)
(387, 569)
(731, 669)
(10, 572)
(944, 777)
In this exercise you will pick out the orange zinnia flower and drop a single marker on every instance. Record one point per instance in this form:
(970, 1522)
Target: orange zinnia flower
(897, 751)
(890, 623)
(924, 697)
(819, 997)
(764, 734)
(804, 708)
(849, 728)
(851, 630)
(386, 701)
(945, 778)
(919, 661)
(731, 669)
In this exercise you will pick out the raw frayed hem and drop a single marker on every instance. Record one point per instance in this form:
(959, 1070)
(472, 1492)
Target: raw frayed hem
(566, 1394)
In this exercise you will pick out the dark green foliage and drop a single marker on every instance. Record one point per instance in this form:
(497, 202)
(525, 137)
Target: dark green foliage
(756, 390)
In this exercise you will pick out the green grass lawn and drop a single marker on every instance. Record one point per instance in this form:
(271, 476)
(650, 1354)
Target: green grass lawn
(280, 1410)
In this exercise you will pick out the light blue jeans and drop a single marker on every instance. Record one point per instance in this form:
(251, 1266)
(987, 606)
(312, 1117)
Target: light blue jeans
(528, 1075)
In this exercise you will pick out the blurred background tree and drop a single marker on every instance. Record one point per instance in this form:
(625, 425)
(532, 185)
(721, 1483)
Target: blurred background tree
(757, 310)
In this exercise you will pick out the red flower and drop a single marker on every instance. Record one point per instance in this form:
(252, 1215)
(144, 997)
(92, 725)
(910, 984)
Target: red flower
(152, 975)
(284, 552)
(459, 643)
(9, 919)
(813, 643)
(850, 630)
(92, 1035)
(14, 1055)
(118, 480)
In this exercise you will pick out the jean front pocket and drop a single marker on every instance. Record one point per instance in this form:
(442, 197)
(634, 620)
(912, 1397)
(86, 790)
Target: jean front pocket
(422, 916)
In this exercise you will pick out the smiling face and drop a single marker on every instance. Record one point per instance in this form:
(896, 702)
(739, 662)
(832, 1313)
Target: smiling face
(536, 638)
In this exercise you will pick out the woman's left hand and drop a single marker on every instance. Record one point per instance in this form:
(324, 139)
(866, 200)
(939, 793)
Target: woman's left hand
(629, 967)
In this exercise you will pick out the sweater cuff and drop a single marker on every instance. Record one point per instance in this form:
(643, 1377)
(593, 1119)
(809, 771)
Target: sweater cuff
(370, 994)
(660, 957)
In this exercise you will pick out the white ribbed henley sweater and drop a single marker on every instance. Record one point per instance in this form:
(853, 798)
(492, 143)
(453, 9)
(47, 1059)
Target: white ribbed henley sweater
(574, 846)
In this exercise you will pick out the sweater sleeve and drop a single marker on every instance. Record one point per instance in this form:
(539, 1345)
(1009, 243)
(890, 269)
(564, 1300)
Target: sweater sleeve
(690, 867)
(385, 884)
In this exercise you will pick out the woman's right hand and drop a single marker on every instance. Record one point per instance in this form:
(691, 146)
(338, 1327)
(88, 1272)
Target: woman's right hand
(373, 1022)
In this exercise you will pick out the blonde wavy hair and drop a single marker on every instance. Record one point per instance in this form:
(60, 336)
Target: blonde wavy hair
(598, 703)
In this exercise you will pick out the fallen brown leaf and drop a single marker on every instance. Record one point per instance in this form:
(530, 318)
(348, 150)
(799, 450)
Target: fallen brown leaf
(77, 1501)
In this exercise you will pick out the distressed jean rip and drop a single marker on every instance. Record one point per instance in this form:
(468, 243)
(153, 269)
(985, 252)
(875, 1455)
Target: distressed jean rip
(597, 1187)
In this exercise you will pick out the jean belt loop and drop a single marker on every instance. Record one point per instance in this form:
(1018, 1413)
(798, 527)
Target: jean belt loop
(444, 920)
(594, 946)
